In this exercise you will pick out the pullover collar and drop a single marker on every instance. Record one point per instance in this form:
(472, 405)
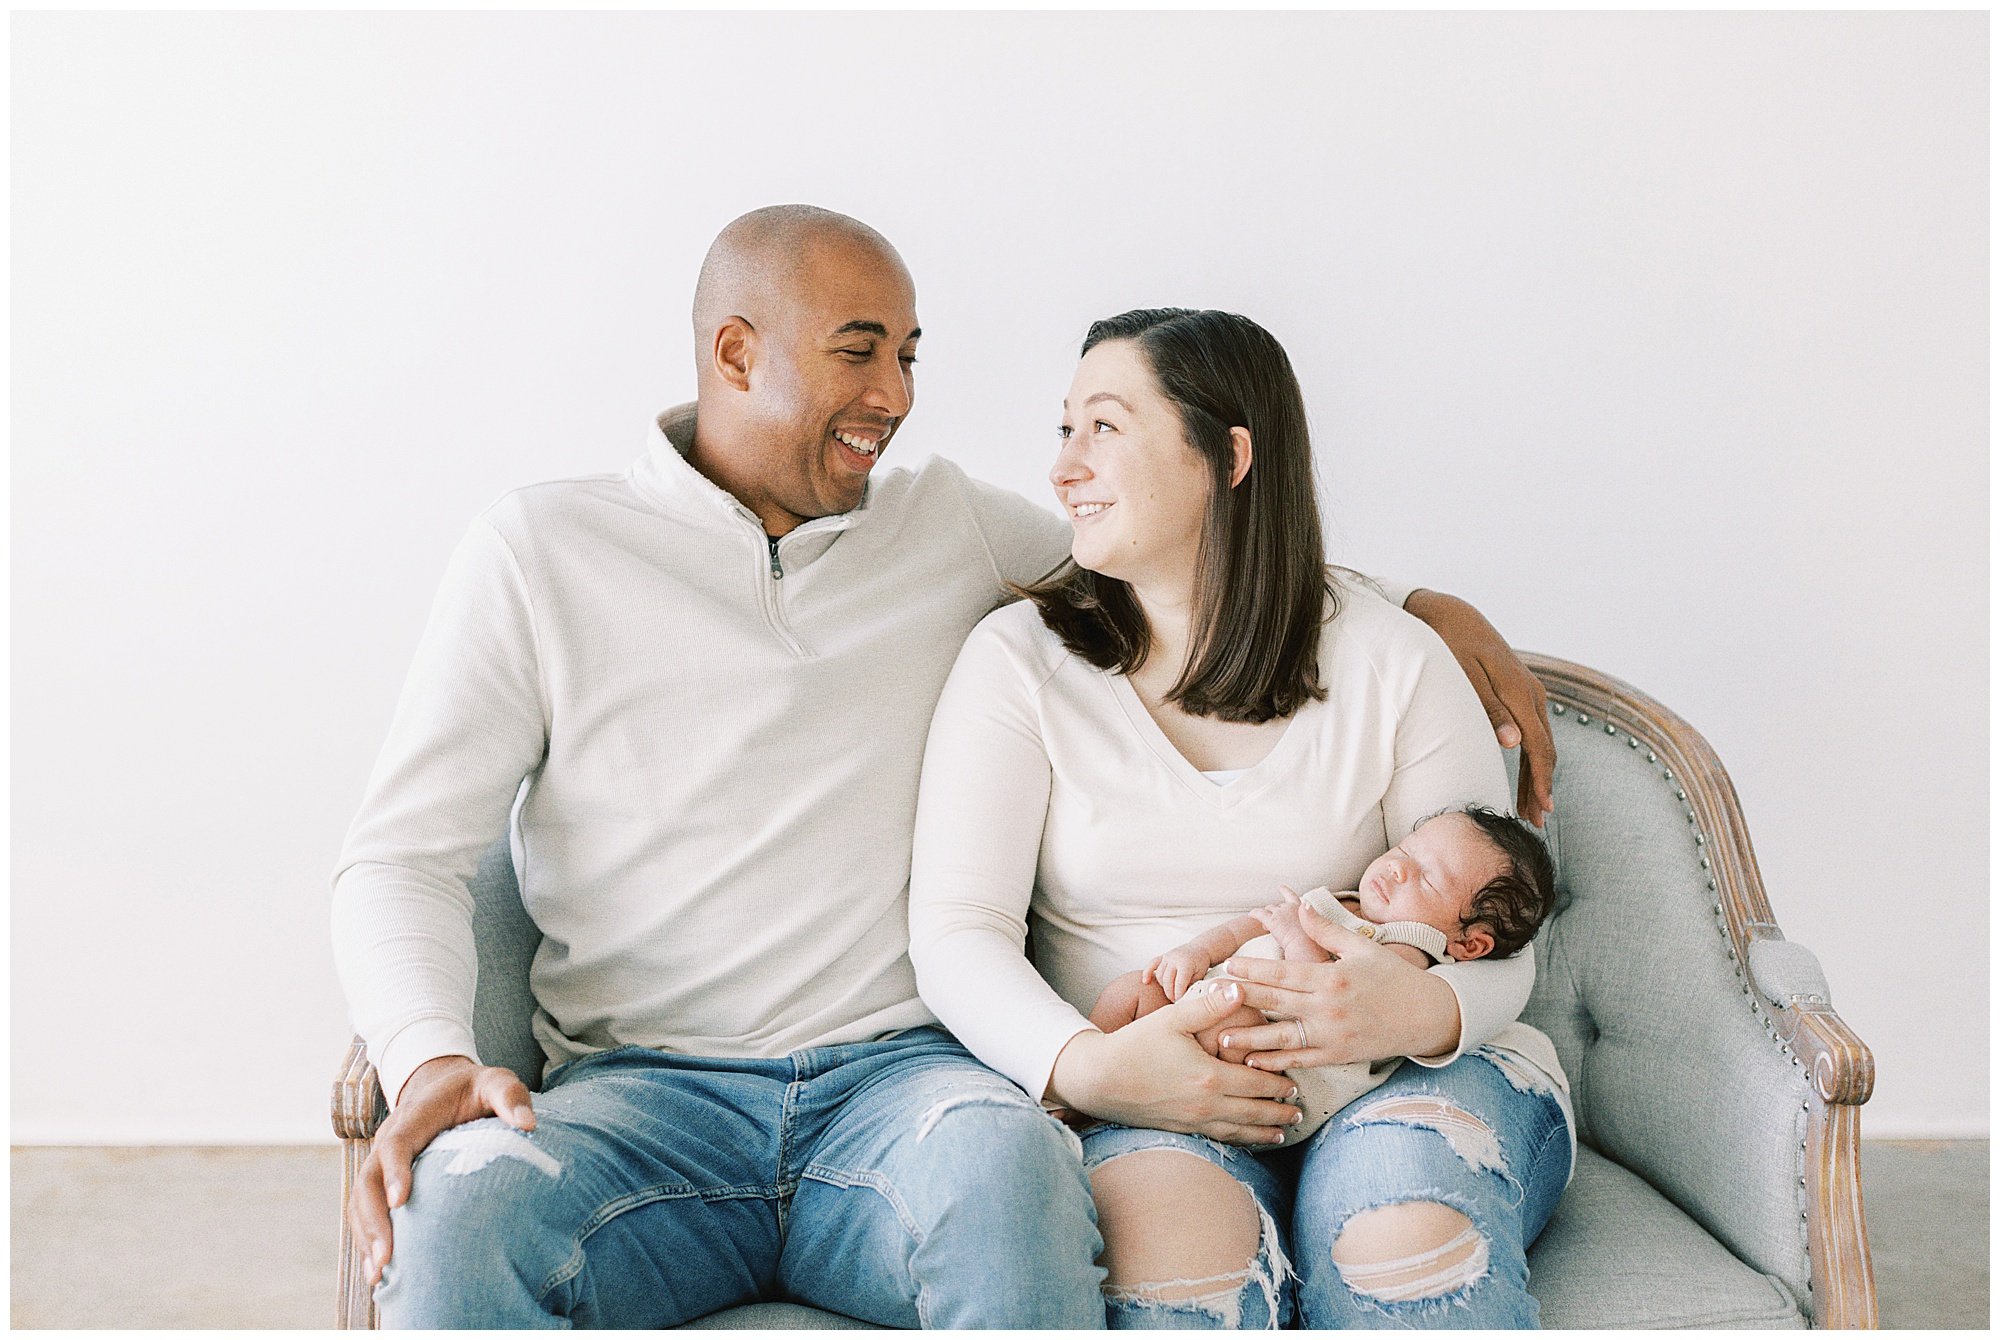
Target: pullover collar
(666, 478)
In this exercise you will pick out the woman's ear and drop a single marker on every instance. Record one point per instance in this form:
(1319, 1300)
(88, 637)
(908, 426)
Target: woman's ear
(732, 352)
(1239, 443)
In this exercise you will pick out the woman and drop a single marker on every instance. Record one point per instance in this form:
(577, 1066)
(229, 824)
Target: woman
(1190, 716)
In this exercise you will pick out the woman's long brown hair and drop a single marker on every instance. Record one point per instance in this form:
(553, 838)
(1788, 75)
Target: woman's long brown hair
(1261, 592)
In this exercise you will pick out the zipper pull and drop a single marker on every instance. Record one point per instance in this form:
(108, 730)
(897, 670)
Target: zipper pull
(777, 570)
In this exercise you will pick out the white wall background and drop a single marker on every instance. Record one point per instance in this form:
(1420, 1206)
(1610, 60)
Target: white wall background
(1662, 338)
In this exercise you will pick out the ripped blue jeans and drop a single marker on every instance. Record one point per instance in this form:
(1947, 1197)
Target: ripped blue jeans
(1463, 1137)
(899, 1182)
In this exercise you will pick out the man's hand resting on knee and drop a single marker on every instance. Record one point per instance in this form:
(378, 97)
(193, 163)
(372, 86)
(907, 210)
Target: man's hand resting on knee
(441, 1094)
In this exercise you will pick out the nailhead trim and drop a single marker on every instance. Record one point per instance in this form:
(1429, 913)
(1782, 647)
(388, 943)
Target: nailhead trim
(1736, 964)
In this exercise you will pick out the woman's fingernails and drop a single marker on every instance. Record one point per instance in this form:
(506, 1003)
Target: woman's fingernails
(1293, 1094)
(1224, 1041)
(1232, 992)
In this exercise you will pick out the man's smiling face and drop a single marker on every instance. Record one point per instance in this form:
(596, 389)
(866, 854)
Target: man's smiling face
(831, 378)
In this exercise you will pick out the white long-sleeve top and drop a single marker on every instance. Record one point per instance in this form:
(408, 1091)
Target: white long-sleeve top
(1048, 786)
(720, 762)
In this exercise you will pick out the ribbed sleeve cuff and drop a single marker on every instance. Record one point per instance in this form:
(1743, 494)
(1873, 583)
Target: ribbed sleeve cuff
(1483, 997)
(1035, 1078)
(424, 1040)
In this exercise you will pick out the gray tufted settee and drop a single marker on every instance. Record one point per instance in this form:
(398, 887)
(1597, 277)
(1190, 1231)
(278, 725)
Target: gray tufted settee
(1717, 1093)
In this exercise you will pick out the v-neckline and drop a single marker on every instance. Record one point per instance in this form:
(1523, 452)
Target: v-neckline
(1254, 779)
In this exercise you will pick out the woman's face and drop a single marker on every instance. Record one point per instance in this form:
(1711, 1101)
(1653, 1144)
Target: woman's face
(1136, 493)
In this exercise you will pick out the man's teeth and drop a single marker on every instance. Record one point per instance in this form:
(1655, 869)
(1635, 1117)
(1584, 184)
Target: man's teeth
(1090, 509)
(860, 444)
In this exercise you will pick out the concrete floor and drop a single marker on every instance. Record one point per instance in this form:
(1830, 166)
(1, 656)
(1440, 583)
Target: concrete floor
(234, 1237)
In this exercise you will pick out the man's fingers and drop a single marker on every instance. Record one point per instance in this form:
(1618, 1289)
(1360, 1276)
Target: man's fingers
(368, 1216)
(507, 1097)
(1538, 768)
(394, 1162)
(1518, 706)
(1497, 713)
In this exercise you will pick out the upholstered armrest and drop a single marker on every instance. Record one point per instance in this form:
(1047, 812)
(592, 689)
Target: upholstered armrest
(1702, 1046)
(1787, 972)
(358, 1105)
(1789, 976)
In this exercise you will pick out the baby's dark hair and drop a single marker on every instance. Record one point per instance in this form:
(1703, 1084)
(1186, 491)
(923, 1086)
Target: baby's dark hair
(1513, 904)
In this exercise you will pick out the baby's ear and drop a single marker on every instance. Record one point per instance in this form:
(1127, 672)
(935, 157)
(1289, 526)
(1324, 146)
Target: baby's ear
(1475, 943)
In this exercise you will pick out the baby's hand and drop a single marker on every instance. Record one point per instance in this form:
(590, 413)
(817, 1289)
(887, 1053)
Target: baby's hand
(1177, 970)
(1281, 919)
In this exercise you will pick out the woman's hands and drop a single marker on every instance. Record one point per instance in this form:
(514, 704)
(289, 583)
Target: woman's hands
(1366, 1004)
(1153, 1072)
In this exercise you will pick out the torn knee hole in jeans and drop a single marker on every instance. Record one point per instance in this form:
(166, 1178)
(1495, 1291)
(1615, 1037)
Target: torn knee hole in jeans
(1523, 1077)
(1218, 1297)
(1197, 1291)
(1220, 1305)
(973, 1096)
(474, 1147)
(1452, 1266)
(1200, 1297)
(1469, 1137)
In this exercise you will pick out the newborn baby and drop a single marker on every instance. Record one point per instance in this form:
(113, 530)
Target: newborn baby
(1464, 884)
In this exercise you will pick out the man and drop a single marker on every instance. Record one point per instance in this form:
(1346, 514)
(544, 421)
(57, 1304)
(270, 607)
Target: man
(714, 673)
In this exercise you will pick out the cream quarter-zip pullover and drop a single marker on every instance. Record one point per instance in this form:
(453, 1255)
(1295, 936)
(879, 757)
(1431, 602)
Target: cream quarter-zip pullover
(720, 741)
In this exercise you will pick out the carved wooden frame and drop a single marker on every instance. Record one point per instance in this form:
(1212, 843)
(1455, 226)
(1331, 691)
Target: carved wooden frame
(1841, 1067)
(358, 1108)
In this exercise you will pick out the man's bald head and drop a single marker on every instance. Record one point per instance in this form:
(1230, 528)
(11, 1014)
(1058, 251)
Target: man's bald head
(805, 333)
(764, 261)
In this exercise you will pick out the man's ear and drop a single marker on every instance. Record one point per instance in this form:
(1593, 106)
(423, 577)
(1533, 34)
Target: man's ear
(1475, 943)
(1239, 442)
(733, 352)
